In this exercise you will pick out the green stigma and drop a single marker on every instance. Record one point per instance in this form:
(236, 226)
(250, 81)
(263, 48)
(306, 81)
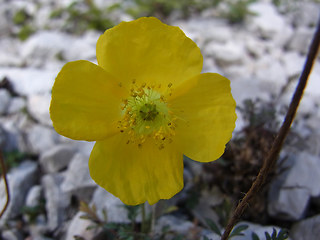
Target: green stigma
(148, 112)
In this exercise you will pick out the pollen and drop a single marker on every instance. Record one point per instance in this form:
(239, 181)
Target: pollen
(147, 115)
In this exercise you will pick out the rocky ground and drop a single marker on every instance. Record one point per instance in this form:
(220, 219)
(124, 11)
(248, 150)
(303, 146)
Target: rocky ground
(48, 176)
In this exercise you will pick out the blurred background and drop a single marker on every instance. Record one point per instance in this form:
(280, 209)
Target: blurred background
(260, 45)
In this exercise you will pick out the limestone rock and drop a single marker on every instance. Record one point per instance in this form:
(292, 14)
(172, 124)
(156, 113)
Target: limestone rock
(306, 229)
(56, 158)
(78, 227)
(57, 202)
(41, 138)
(78, 181)
(38, 107)
(290, 192)
(20, 180)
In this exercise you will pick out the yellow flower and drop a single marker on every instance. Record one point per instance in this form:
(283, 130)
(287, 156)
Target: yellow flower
(145, 104)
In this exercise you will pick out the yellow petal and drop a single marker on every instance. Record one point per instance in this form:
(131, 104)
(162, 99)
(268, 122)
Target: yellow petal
(206, 116)
(136, 174)
(85, 102)
(146, 50)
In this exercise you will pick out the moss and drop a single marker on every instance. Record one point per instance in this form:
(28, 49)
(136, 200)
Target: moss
(25, 32)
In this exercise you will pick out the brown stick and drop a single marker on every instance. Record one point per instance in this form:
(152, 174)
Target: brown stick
(4, 175)
(272, 157)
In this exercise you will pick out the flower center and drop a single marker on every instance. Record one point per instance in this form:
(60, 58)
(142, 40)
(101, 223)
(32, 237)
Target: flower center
(146, 114)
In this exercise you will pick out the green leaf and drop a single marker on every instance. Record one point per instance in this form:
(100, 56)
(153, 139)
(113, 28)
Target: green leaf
(254, 236)
(205, 238)
(274, 234)
(237, 231)
(283, 234)
(213, 226)
(268, 237)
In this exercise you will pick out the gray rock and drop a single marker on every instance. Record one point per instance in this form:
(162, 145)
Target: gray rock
(56, 158)
(78, 227)
(38, 107)
(78, 181)
(29, 81)
(16, 105)
(113, 206)
(301, 40)
(267, 22)
(34, 195)
(57, 202)
(4, 101)
(20, 180)
(290, 192)
(41, 138)
(306, 229)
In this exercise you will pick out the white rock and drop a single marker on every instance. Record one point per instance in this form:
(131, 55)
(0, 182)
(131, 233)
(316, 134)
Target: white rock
(10, 53)
(20, 180)
(78, 181)
(313, 85)
(40, 139)
(304, 173)
(56, 158)
(301, 40)
(293, 63)
(12, 235)
(5, 99)
(34, 195)
(38, 106)
(290, 193)
(225, 54)
(289, 204)
(16, 105)
(255, 47)
(29, 81)
(208, 200)
(57, 202)
(5, 23)
(111, 204)
(267, 21)
(306, 229)
(271, 74)
(177, 225)
(78, 227)
(202, 30)
(44, 46)
(86, 43)
(307, 15)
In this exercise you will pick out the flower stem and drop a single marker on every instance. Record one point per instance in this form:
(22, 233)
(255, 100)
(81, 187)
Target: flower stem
(143, 218)
(273, 154)
(4, 175)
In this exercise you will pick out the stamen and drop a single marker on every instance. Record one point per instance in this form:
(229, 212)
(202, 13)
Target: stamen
(146, 115)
